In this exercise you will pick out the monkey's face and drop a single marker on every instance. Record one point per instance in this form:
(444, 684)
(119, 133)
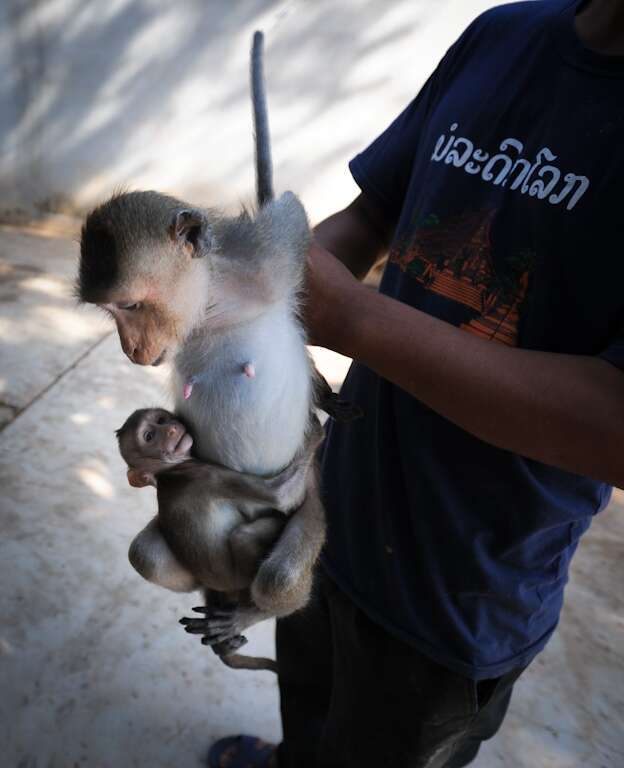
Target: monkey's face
(154, 318)
(156, 436)
(142, 259)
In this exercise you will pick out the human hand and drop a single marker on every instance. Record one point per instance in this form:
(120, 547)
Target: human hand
(331, 300)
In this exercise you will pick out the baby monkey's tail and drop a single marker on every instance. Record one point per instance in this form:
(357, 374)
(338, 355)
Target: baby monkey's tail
(264, 165)
(239, 661)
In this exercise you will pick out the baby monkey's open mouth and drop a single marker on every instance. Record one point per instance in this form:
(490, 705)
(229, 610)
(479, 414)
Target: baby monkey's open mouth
(177, 445)
(184, 443)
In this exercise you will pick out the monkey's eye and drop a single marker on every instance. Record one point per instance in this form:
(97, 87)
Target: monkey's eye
(161, 420)
(148, 437)
(130, 307)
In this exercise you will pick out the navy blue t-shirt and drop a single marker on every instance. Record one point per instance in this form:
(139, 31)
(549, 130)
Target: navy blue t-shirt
(504, 178)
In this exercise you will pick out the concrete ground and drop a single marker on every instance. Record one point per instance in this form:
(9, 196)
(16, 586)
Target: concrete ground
(94, 669)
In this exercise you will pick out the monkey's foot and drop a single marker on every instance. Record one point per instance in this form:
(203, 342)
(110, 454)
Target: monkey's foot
(227, 646)
(220, 624)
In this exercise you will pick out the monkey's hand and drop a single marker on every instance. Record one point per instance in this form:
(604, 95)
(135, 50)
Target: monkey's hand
(222, 625)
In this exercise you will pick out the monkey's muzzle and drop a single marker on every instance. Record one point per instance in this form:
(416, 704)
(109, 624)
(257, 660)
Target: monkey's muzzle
(160, 358)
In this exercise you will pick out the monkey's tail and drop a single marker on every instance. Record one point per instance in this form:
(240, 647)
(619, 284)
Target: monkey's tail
(264, 164)
(239, 661)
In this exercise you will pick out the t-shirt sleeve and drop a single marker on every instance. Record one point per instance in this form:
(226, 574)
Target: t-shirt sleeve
(383, 170)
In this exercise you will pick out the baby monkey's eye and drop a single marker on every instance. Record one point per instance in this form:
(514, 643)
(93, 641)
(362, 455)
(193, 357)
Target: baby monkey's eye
(148, 436)
(161, 420)
(131, 307)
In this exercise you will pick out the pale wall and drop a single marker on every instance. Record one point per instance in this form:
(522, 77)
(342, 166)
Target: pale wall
(154, 94)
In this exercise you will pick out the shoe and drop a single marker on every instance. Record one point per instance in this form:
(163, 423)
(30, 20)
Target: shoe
(242, 752)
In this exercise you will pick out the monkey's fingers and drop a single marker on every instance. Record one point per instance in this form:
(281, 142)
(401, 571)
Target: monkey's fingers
(195, 626)
(211, 610)
(209, 626)
(211, 634)
(219, 616)
(221, 613)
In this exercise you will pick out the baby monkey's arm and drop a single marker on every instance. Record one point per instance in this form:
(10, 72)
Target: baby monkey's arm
(283, 492)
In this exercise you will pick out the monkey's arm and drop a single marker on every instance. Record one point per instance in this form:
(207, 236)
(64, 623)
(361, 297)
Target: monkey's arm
(282, 492)
(150, 556)
(276, 492)
(284, 578)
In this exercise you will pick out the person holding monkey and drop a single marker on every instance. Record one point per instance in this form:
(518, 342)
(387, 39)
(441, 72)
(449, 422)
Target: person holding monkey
(489, 369)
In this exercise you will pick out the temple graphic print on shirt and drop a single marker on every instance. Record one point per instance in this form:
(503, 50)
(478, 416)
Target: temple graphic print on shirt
(453, 258)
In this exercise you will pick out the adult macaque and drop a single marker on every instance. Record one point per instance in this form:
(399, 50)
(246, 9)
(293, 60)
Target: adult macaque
(217, 298)
(209, 532)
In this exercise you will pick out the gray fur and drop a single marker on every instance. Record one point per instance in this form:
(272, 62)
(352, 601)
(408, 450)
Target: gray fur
(119, 239)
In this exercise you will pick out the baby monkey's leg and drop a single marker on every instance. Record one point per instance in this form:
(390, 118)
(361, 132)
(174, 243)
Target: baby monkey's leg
(227, 617)
(251, 542)
(283, 492)
(284, 578)
(150, 555)
(276, 492)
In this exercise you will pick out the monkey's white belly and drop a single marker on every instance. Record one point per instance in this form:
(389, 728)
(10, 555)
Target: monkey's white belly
(250, 424)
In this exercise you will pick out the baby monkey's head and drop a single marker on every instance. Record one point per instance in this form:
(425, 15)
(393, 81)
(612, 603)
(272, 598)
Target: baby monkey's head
(151, 440)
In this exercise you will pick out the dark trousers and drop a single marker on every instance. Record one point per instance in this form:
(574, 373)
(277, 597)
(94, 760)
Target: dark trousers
(353, 696)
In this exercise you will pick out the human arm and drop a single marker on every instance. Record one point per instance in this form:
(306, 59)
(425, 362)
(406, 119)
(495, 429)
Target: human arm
(562, 410)
(359, 235)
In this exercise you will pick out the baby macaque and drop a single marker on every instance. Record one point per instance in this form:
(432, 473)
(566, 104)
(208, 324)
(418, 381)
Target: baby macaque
(214, 525)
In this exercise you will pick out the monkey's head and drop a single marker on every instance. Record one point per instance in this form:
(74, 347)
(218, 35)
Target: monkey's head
(151, 440)
(141, 261)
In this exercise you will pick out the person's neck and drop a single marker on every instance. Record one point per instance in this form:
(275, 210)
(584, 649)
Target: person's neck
(600, 26)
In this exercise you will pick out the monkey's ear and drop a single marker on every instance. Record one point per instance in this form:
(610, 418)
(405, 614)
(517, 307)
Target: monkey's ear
(190, 228)
(138, 479)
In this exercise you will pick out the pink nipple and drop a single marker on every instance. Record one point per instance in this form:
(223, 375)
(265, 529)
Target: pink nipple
(188, 388)
(249, 369)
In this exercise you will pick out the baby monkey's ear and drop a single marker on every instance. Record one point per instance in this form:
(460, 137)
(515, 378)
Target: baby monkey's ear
(190, 229)
(139, 479)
